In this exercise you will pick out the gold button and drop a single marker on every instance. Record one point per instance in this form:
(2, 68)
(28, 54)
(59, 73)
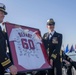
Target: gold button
(5, 58)
(48, 48)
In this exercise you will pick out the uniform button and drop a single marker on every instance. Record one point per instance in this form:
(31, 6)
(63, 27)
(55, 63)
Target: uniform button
(5, 58)
(48, 48)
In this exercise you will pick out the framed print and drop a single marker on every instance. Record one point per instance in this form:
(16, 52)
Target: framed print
(27, 50)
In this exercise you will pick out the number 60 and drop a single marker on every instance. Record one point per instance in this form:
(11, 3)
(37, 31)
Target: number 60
(27, 44)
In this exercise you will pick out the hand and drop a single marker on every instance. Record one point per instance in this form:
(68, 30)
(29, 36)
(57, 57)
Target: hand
(51, 62)
(68, 63)
(13, 70)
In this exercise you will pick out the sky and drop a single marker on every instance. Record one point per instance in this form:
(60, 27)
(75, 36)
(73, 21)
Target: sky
(35, 13)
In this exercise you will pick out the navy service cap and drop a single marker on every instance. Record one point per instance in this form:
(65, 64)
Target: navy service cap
(3, 8)
(50, 22)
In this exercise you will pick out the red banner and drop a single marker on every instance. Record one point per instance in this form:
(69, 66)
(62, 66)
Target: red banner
(27, 50)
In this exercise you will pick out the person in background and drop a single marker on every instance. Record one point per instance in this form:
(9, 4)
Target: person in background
(52, 41)
(5, 61)
(68, 63)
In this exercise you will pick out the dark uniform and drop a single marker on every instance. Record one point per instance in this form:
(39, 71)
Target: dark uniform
(53, 46)
(5, 62)
(4, 59)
